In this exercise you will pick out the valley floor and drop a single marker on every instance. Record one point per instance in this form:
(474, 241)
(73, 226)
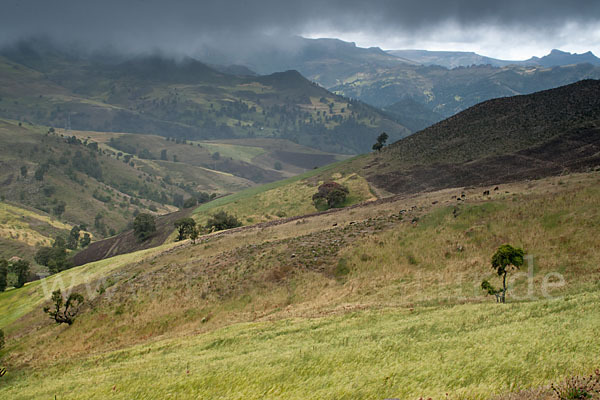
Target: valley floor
(372, 302)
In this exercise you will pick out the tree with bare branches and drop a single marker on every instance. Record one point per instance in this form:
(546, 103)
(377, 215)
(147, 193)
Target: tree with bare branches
(66, 314)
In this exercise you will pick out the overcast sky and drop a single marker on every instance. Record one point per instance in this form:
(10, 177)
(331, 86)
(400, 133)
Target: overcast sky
(508, 29)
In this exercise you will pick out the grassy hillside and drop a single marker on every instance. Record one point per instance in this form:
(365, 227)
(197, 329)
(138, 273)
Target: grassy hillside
(369, 355)
(84, 184)
(288, 198)
(297, 310)
(256, 160)
(184, 99)
(23, 230)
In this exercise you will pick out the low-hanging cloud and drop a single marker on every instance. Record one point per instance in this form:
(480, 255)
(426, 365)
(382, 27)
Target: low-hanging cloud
(185, 25)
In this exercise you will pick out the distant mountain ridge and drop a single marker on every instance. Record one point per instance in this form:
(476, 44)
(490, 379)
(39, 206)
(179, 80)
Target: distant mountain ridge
(557, 58)
(416, 87)
(327, 61)
(454, 59)
(449, 91)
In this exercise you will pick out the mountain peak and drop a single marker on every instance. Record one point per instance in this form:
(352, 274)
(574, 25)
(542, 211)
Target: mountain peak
(559, 52)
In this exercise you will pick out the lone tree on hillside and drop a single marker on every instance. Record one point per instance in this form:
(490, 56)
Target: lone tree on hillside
(71, 308)
(144, 226)
(381, 139)
(194, 234)
(505, 259)
(222, 220)
(185, 227)
(331, 194)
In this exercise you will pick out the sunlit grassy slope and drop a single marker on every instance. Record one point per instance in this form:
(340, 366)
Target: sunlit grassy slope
(21, 230)
(469, 351)
(373, 302)
(286, 198)
(14, 303)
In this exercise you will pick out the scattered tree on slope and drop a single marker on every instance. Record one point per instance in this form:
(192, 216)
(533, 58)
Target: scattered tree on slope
(505, 259)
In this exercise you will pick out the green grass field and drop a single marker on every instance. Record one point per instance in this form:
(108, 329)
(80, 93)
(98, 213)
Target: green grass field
(361, 303)
(468, 351)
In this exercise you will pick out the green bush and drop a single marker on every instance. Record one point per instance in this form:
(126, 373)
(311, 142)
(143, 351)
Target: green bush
(144, 226)
(331, 194)
(222, 220)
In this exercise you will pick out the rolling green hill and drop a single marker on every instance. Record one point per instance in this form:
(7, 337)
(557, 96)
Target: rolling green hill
(23, 230)
(380, 299)
(504, 140)
(83, 183)
(184, 99)
(302, 307)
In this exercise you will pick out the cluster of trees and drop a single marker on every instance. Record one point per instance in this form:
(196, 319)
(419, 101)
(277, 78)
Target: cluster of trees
(55, 257)
(187, 228)
(83, 160)
(329, 195)
(20, 269)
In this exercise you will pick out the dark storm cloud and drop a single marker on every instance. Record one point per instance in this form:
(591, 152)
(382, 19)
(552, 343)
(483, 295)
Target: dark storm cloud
(181, 25)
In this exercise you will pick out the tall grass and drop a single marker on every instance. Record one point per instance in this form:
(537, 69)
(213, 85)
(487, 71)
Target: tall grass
(467, 351)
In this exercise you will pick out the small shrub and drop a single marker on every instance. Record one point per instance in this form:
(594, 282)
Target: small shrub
(342, 269)
(190, 202)
(21, 270)
(579, 388)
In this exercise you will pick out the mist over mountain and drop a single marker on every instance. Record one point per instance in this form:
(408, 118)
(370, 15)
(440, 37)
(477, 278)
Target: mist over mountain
(180, 97)
(326, 61)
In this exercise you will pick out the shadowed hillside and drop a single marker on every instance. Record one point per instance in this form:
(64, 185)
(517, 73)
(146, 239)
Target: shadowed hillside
(183, 98)
(509, 139)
